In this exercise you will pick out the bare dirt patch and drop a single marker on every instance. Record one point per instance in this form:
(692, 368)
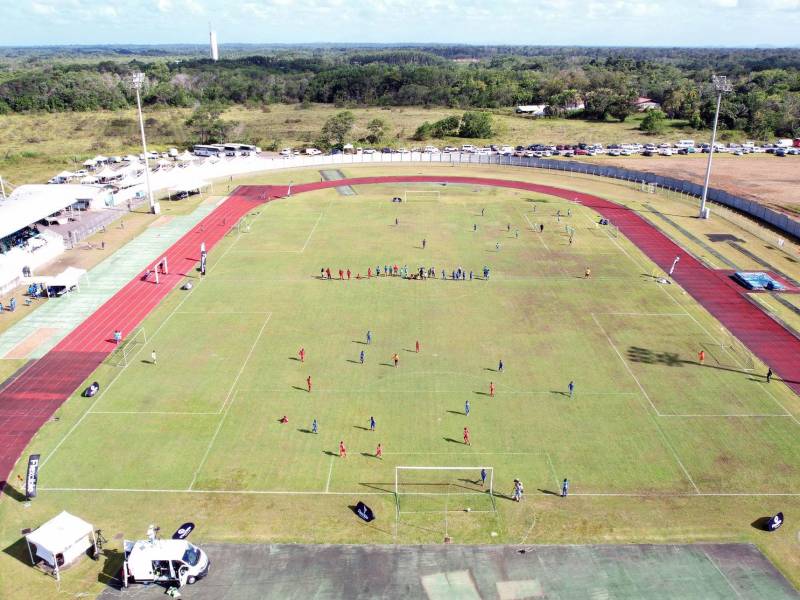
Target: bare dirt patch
(763, 178)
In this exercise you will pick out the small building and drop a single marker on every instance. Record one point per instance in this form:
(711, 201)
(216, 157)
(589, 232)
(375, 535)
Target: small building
(642, 104)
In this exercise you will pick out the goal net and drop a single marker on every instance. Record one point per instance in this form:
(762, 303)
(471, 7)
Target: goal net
(647, 188)
(421, 195)
(444, 489)
(128, 348)
(736, 354)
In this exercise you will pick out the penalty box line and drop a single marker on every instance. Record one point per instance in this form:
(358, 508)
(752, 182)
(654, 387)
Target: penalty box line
(184, 412)
(231, 396)
(655, 412)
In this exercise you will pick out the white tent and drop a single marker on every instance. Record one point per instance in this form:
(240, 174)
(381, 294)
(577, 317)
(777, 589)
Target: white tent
(89, 162)
(61, 541)
(64, 176)
(107, 173)
(31, 202)
(185, 156)
(89, 179)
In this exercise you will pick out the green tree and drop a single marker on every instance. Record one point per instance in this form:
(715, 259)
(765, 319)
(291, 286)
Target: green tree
(423, 132)
(655, 121)
(446, 127)
(475, 125)
(206, 125)
(337, 128)
(377, 130)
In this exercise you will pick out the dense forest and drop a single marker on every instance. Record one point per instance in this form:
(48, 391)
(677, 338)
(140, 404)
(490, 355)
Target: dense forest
(765, 101)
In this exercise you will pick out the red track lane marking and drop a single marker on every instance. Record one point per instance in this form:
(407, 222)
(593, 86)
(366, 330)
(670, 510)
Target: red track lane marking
(33, 397)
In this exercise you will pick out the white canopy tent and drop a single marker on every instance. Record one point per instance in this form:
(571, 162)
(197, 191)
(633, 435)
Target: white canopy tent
(68, 278)
(107, 174)
(61, 541)
(185, 156)
(31, 202)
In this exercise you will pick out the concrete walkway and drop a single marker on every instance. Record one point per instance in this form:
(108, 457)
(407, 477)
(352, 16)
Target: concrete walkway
(39, 332)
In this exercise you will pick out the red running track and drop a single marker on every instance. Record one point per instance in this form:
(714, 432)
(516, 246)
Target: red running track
(30, 399)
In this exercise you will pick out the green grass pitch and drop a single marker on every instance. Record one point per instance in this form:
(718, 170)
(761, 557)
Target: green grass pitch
(644, 419)
(656, 447)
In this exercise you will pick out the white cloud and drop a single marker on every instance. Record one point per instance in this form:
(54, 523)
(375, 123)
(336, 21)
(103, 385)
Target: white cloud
(45, 10)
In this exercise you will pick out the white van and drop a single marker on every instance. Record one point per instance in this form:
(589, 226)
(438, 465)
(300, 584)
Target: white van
(163, 561)
(685, 144)
(468, 148)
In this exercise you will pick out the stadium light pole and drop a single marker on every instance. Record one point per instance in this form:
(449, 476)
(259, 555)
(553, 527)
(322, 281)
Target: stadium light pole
(722, 86)
(136, 81)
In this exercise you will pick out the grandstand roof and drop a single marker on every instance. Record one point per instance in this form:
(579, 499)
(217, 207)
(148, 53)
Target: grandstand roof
(29, 203)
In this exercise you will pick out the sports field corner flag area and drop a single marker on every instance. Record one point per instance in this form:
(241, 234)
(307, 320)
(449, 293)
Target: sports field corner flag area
(481, 363)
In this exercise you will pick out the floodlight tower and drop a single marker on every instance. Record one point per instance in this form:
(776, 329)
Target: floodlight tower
(723, 87)
(136, 81)
(212, 38)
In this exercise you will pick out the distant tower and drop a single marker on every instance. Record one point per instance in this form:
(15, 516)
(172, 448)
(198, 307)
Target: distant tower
(213, 41)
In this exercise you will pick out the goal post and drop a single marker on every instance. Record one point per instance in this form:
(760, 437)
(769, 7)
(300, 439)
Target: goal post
(421, 195)
(421, 489)
(128, 348)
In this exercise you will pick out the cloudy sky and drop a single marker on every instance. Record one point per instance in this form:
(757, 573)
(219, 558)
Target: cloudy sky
(535, 22)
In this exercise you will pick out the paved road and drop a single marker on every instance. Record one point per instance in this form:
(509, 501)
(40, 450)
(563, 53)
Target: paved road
(444, 572)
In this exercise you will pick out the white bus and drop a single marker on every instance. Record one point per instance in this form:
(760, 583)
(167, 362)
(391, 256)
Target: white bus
(207, 150)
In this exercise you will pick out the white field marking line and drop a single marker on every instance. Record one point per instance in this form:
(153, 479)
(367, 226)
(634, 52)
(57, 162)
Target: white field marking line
(452, 510)
(505, 393)
(706, 331)
(552, 469)
(788, 414)
(539, 235)
(313, 229)
(223, 312)
(330, 472)
(461, 453)
(150, 412)
(389, 493)
(266, 251)
(608, 235)
(725, 577)
(528, 532)
(655, 410)
(227, 405)
(120, 371)
(742, 415)
(642, 314)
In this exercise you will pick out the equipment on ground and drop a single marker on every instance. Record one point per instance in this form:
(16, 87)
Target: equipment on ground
(364, 512)
(91, 390)
(775, 522)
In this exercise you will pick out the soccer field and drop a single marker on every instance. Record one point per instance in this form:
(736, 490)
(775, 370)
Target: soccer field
(695, 448)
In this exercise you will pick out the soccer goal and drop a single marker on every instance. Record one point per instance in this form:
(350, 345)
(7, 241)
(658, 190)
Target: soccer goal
(737, 353)
(128, 348)
(443, 489)
(647, 188)
(421, 195)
